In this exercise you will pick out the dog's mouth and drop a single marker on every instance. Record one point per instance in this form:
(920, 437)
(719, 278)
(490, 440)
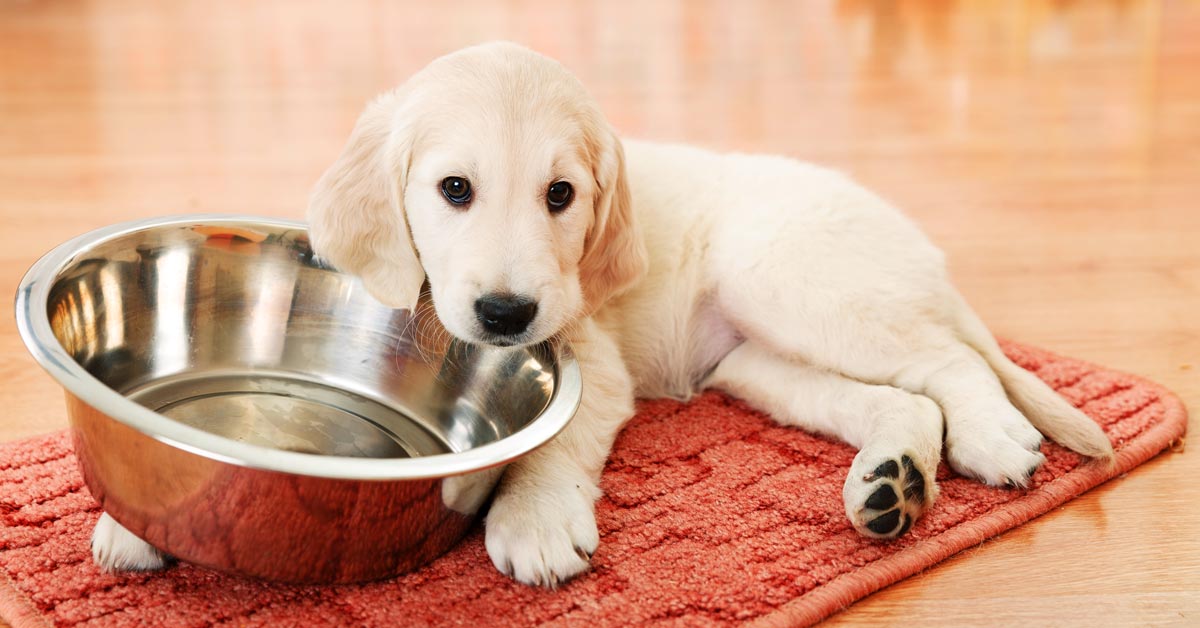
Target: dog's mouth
(474, 335)
(507, 341)
(501, 342)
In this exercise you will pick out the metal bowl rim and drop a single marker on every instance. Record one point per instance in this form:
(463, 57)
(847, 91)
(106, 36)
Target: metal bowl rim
(33, 324)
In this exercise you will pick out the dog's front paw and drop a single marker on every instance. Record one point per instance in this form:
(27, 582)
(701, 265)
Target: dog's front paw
(884, 495)
(116, 549)
(543, 535)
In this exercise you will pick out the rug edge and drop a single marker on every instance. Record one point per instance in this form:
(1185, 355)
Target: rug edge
(17, 609)
(845, 590)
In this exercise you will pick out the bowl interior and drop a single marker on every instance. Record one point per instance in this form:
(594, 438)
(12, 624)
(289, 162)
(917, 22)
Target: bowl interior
(234, 328)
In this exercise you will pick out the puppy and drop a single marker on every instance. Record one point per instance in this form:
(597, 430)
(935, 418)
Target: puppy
(492, 175)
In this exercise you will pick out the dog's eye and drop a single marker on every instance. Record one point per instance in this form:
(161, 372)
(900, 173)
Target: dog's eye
(457, 190)
(559, 196)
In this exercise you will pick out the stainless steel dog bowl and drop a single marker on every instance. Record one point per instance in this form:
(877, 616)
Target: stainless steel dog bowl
(240, 406)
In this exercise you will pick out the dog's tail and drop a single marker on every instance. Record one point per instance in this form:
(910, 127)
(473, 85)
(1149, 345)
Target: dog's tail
(1051, 414)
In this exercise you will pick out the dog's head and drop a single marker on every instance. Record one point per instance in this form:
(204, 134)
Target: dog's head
(492, 174)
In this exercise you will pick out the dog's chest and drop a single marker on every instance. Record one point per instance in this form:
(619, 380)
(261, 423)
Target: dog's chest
(670, 348)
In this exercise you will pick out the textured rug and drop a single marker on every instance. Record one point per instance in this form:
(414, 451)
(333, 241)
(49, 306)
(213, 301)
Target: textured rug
(713, 515)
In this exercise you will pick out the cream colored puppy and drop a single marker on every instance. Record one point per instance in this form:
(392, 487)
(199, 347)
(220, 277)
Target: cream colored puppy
(493, 175)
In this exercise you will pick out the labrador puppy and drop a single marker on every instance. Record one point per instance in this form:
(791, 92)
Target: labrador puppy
(493, 175)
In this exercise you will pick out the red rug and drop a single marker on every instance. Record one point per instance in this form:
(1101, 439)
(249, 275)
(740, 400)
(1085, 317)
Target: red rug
(713, 515)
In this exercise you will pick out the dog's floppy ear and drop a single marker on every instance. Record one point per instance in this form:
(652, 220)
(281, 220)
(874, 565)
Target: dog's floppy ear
(614, 256)
(356, 212)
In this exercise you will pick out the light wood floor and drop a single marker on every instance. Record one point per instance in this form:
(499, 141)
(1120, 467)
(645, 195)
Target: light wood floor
(1052, 149)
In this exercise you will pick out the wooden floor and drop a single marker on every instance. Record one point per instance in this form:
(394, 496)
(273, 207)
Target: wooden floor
(1052, 149)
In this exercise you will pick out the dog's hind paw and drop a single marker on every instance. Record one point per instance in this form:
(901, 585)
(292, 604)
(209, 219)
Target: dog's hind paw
(884, 495)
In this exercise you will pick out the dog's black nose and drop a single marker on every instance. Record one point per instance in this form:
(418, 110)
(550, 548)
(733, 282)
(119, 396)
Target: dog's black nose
(503, 314)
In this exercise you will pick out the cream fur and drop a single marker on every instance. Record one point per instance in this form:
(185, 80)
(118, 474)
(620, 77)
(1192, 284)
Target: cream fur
(675, 269)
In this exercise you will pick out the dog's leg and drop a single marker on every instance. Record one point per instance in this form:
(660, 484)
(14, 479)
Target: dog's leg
(116, 549)
(910, 344)
(987, 438)
(856, 289)
(541, 528)
(899, 434)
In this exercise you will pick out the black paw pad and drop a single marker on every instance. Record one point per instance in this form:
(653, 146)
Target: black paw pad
(908, 520)
(883, 498)
(888, 469)
(884, 523)
(914, 481)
